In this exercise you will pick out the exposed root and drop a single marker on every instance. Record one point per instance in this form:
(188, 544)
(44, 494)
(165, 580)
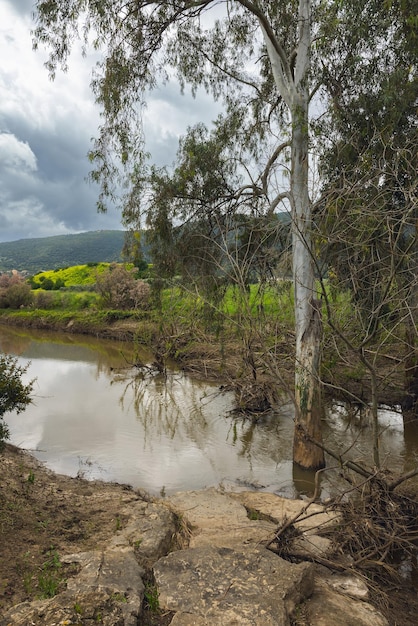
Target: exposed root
(379, 526)
(377, 532)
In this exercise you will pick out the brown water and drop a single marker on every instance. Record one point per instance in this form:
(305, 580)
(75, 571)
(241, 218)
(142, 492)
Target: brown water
(93, 416)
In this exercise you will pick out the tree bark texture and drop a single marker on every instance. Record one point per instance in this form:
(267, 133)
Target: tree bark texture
(293, 86)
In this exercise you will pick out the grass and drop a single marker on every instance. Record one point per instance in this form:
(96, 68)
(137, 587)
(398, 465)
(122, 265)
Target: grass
(46, 580)
(274, 301)
(151, 597)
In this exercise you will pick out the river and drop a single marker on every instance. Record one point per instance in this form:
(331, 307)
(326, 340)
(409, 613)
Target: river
(94, 416)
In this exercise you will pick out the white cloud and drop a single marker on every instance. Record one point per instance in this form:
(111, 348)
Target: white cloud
(29, 218)
(15, 154)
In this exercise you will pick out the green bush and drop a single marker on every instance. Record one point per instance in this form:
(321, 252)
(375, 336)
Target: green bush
(76, 275)
(75, 300)
(44, 300)
(14, 394)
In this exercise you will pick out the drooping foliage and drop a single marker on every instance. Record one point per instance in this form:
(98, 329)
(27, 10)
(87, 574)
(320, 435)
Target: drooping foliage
(206, 44)
(201, 228)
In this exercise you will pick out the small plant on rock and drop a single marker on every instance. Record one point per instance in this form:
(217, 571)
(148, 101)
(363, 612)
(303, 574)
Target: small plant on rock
(151, 597)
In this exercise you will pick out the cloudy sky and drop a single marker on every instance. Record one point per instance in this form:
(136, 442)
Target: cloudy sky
(46, 129)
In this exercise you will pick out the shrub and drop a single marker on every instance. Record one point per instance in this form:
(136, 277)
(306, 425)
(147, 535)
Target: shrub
(44, 300)
(14, 394)
(14, 291)
(119, 289)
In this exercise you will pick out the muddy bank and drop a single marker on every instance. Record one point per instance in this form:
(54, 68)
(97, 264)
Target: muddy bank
(121, 330)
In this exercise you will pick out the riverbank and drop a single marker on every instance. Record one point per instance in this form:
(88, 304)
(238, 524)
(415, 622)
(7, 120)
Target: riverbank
(218, 356)
(52, 527)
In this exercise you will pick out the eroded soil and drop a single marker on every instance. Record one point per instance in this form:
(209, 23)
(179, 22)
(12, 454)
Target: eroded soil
(44, 516)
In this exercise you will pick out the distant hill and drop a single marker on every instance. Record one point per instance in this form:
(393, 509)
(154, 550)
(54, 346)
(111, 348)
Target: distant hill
(49, 253)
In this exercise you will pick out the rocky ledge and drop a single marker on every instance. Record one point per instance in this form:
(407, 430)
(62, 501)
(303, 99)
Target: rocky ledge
(201, 556)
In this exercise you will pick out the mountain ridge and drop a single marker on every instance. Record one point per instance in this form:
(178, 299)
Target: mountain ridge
(36, 254)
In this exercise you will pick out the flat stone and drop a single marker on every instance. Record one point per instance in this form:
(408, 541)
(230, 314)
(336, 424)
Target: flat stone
(222, 586)
(279, 509)
(150, 530)
(345, 584)
(89, 607)
(219, 520)
(311, 546)
(114, 571)
(329, 608)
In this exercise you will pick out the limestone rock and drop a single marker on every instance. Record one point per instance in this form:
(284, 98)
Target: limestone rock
(112, 572)
(345, 584)
(278, 509)
(150, 530)
(222, 586)
(312, 546)
(328, 608)
(108, 587)
(217, 519)
(88, 607)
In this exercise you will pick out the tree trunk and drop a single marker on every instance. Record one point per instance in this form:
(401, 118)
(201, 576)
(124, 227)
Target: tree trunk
(308, 323)
(293, 86)
(410, 400)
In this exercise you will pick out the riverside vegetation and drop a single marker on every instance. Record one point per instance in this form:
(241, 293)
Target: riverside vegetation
(232, 342)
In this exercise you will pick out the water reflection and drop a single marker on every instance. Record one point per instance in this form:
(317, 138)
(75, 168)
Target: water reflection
(91, 416)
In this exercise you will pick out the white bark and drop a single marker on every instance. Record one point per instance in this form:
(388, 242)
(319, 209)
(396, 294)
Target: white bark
(295, 93)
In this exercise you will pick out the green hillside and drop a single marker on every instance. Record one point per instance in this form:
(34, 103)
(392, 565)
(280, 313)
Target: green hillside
(69, 276)
(49, 253)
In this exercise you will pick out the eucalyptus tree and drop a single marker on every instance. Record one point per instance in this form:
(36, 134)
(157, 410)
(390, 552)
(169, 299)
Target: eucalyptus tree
(266, 60)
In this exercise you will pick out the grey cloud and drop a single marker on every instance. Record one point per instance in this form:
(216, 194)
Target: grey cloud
(22, 7)
(52, 126)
